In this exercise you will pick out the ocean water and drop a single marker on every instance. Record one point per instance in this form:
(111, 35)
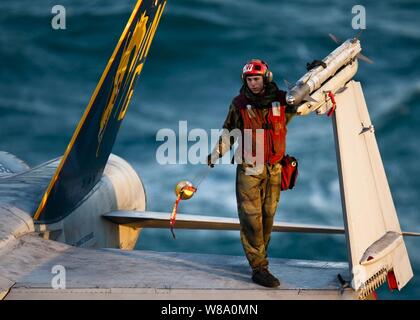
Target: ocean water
(193, 71)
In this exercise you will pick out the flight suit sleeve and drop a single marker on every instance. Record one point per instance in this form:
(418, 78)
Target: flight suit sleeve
(290, 113)
(228, 137)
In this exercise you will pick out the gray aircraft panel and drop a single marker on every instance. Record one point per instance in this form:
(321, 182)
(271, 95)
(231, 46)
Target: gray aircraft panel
(111, 273)
(24, 190)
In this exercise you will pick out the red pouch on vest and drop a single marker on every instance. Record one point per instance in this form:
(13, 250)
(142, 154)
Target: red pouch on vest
(289, 172)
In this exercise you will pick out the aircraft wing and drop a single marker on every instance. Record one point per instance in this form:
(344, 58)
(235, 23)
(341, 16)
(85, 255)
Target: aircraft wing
(152, 219)
(35, 268)
(32, 267)
(375, 244)
(24, 189)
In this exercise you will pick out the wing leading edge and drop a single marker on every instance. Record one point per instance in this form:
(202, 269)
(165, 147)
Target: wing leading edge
(153, 219)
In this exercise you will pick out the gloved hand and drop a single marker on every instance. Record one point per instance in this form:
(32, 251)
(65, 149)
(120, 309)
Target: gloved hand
(210, 163)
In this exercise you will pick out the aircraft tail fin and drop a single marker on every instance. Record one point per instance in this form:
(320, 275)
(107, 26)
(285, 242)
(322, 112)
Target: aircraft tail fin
(85, 158)
(375, 244)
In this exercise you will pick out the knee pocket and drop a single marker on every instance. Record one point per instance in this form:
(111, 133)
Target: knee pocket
(251, 223)
(273, 192)
(251, 195)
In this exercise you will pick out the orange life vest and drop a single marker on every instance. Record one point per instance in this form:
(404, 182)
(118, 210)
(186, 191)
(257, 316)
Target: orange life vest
(273, 123)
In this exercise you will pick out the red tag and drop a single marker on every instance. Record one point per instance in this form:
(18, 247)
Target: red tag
(331, 111)
(392, 281)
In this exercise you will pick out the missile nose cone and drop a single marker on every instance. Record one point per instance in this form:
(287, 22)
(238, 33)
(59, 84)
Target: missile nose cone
(290, 99)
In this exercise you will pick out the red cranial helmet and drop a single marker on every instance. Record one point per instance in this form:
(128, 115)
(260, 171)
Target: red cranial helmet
(257, 67)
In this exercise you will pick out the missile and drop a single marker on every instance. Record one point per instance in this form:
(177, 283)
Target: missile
(342, 56)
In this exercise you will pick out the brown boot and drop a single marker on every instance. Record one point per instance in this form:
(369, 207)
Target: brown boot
(264, 278)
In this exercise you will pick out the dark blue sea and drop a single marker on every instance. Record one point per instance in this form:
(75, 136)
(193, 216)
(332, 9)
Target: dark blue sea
(193, 71)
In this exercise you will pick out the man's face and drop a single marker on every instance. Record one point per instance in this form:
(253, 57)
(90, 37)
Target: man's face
(255, 84)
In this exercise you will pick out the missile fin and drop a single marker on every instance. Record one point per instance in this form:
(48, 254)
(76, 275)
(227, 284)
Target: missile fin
(364, 58)
(309, 98)
(288, 85)
(335, 39)
(359, 34)
(342, 89)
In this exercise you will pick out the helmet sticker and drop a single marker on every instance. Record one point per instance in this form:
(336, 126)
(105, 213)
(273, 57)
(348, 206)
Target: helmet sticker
(248, 67)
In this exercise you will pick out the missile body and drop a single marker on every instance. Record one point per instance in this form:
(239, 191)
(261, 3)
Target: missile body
(314, 78)
(321, 102)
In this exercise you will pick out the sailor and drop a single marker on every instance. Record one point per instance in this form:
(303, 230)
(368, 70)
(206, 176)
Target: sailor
(260, 105)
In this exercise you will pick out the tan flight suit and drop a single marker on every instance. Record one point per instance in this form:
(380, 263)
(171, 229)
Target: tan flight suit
(257, 195)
